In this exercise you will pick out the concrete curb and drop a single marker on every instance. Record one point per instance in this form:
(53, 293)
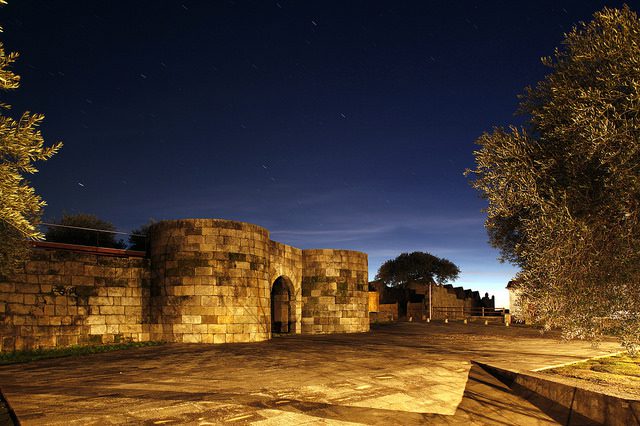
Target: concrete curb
(570, 405)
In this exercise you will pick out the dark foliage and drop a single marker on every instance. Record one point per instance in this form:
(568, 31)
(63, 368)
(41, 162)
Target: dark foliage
(90, 235)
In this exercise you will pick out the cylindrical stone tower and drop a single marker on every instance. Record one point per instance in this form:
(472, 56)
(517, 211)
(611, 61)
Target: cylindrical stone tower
(334, 291)
(210, 281)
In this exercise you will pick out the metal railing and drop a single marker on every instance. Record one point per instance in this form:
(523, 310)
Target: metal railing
(92, 237)
(453, 312)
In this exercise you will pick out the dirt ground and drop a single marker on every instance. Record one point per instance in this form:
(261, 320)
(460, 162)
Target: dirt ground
(405, 373)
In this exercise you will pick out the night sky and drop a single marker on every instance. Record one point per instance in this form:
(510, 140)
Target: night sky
(339, 124)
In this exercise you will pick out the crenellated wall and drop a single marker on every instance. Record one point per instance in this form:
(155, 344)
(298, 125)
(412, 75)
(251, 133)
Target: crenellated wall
(205, 281)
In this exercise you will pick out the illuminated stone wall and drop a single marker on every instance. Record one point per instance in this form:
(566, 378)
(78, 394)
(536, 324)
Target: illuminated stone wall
(64, 298)
(211, 280)
(335, 296)
(205, 281)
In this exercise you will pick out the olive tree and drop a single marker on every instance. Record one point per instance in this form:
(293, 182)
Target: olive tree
(21, 144)
(563, 190)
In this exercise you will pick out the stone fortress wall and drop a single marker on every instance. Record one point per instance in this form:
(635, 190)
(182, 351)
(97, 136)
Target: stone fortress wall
(447, 302)
(335, 296)
(204, 281)
(63, 298)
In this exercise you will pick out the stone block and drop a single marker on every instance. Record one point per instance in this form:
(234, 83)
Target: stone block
(203, 270)
(49, 310)
(100, 301)
(112, 310)
(199, 328)
(241, 338)
(182, 290)
(191, 319)
(116, 319)
(250, 328)
(130, 301)
(204, 290)
(131, 328)
(191, 338)
(36, 267)
(234, 328)
(18, 308)
(29, 288)
(108, 338)
(133, 311)
(182, 328)
(113, 329)
(74, 268)
(216, 328)
(122, 273)
(94, 320)
(98, 329)
(133, 292)
(7, 288)
(225, 319)
(116, 291)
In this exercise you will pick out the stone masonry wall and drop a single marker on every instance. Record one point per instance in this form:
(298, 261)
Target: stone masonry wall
(387, 312)
(205, 281)
(63, 298)
(334, 291)
(286, 261)
(210, 282)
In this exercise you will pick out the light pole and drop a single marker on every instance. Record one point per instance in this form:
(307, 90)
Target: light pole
(430, 313)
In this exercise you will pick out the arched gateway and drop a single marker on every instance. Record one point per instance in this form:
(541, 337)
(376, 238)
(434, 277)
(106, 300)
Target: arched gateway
(221, 281)
(203, 281)
(282, 306)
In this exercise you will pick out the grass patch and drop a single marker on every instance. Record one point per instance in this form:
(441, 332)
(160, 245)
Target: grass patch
(34, 355)
(619, 371)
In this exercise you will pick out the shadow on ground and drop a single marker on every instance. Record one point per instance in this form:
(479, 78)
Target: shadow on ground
(410, 373)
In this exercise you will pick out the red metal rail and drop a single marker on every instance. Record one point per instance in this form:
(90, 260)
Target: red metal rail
(103, 251)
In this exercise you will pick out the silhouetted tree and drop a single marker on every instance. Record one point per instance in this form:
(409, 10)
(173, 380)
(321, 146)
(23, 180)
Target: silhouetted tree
(564, 189)
(86, 236)
(139, 238)
(415, 267)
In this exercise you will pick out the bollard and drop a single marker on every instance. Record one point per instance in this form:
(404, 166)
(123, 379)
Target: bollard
(486, 322)
(465, 320)
(410, 319)
(446, 320)
(428, 319)
(506, 324)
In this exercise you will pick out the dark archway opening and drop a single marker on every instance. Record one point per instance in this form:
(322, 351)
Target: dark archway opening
(280, 307)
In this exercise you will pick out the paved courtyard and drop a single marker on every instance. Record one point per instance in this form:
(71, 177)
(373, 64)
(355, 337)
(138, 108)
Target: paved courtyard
(406, 373)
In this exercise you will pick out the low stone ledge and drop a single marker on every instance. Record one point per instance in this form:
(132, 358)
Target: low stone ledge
(570, 405)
